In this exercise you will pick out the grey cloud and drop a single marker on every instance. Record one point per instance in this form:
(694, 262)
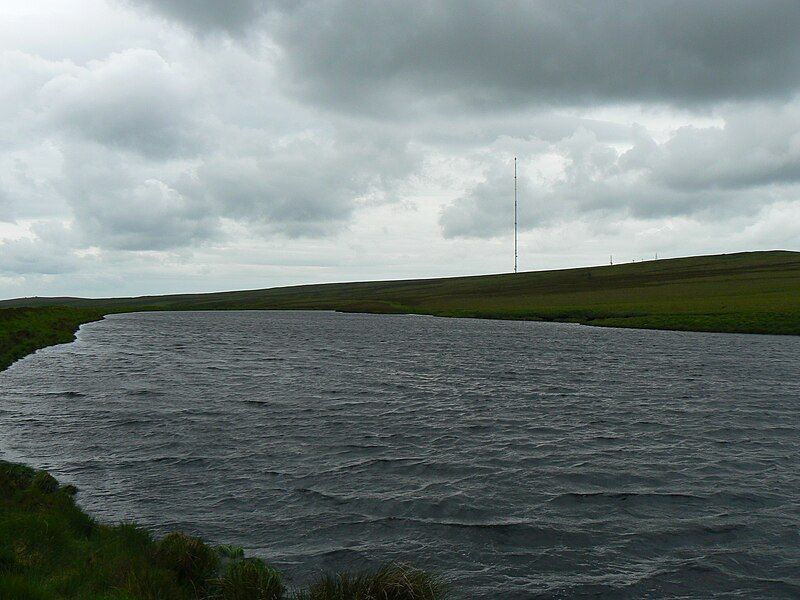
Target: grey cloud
(195, 146)
(284, 199)
(303, 187)
(133, 100)
(373, 57)
(486, 211)
(124, 206)
(546, 126)
(704, 173)
(231, 16)
(44, 255)
(149, 216)
(26, 183)
(23, 76)
(134, 175)
(756, 146)
(444, 55)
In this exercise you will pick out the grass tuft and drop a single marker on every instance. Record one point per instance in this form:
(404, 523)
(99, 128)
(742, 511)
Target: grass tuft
(69, 490)
(390, 582)
(14, 477)
(189, 558)
(231, 552)
(44, 482)
(249, 579)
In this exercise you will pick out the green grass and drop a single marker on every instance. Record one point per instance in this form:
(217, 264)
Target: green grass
(752, 292)
(249, 579)
(391, 582)
(23, 330)
(50, 549)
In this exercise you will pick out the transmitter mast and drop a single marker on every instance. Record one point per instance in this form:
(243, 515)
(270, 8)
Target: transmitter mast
(515, 215)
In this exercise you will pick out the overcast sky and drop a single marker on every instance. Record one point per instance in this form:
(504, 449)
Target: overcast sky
(152, 146)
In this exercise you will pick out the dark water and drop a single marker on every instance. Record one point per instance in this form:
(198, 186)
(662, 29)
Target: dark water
(522, 460)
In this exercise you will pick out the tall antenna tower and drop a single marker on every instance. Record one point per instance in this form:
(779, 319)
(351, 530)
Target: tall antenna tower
(515, 214)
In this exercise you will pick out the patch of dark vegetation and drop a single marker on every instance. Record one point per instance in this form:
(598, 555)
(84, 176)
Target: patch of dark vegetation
(249, 579)
(24, 330)
(391, 582)
(50, 549)
(193, 563)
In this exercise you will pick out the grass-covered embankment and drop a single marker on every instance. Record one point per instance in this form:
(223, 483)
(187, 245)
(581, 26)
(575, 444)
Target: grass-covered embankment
(51, 549)
(24, 330)
(750, 292)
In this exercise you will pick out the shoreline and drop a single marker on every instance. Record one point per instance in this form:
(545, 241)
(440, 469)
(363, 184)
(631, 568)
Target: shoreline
(150, 564)
(51, 548)
(9, 356)
(748, 293)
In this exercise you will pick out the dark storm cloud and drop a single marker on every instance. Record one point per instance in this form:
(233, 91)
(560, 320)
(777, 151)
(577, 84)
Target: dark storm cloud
(232, 16)
(368, 56)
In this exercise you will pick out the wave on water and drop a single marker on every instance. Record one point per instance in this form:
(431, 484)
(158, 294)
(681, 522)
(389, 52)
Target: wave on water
(520, 460)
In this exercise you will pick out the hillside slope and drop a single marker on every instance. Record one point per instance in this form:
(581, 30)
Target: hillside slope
(753, 292)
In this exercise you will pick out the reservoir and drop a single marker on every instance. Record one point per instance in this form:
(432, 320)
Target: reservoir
(518, 459)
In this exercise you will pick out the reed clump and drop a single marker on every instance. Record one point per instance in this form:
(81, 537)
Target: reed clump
(194, 563)
(390, 582)
(249, 579)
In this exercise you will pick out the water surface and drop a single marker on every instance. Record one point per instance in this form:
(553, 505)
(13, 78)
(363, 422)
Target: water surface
(522, 459)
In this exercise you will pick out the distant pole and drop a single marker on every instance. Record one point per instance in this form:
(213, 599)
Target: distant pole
(515, 214)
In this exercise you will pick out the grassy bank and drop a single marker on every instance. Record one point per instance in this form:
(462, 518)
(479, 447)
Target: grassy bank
(51, 549)
(753, 292)
(24, 330)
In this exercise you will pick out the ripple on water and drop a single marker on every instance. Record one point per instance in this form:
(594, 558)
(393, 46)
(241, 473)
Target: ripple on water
(531, 459)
